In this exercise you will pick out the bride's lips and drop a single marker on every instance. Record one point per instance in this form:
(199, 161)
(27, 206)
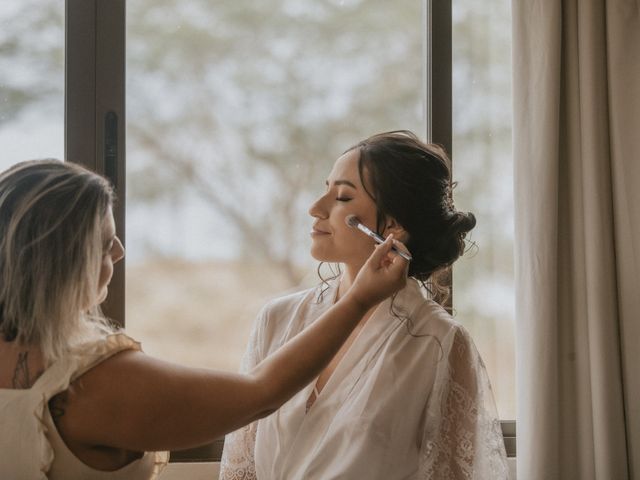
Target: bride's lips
(318, 232)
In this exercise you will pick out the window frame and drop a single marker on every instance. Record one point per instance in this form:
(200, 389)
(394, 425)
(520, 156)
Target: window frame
(95, 109)
(95, 134)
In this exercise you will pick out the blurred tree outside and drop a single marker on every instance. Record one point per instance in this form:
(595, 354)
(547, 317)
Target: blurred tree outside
(31, 80)
(249, 106)
(30, 51)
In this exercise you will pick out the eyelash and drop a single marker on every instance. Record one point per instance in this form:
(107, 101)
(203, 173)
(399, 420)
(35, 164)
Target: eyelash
(343, 199)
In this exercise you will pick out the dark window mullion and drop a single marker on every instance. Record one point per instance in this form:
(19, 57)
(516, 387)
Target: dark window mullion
(94, 107)
(438, 87)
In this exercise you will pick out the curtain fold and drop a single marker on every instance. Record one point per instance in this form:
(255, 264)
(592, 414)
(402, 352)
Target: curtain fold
(623, 58)
(577, 176)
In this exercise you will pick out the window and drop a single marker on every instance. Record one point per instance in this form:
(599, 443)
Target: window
(230, 135)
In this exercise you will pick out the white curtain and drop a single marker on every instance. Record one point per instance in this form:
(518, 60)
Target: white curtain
(577, 184)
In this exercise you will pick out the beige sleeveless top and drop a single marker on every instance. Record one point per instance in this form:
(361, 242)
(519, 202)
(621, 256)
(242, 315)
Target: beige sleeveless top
(30, 446)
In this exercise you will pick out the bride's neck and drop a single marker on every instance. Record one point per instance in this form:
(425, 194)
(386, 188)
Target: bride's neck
(348, 277)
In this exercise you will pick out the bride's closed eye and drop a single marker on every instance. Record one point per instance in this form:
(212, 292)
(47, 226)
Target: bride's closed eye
(344, 199)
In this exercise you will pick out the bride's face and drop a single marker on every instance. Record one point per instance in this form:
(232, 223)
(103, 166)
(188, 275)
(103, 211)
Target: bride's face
(332, 239)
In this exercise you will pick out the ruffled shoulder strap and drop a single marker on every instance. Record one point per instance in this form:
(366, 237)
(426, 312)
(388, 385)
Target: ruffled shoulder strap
(55, 379)
(81, 359)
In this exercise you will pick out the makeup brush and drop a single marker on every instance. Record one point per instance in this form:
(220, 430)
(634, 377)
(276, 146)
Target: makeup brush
(354, 222)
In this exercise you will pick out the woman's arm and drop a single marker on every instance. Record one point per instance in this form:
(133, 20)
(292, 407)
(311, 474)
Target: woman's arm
(139, 403)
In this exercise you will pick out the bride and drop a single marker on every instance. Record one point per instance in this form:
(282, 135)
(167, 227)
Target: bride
(407, 396)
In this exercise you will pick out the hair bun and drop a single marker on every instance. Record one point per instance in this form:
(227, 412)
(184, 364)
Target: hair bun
(462, 223)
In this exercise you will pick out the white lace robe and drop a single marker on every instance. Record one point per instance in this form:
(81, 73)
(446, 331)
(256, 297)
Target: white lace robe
(410, 399)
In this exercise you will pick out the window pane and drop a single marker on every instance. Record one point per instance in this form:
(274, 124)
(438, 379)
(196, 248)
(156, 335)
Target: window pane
(236, 112)
(31, 80)
(483, 279)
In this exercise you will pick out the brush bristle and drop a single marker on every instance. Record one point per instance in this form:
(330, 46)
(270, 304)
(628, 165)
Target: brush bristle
(352, 221)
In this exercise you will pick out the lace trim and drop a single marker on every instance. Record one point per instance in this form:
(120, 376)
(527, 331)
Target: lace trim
(237, 461)
(159, 462)
(463, 439)
(469, 444)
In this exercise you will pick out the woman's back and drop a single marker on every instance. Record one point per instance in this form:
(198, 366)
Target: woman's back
(30, 444)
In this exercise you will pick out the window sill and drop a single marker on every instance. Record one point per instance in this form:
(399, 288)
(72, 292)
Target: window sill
(191, 470)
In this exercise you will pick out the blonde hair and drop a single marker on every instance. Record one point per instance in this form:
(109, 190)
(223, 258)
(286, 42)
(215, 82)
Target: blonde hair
(51, 248)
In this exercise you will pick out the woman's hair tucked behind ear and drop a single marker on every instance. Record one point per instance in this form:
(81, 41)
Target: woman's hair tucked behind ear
(410, 181)
(51, 247)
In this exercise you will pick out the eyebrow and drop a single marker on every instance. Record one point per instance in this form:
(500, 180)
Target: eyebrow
(342, 182)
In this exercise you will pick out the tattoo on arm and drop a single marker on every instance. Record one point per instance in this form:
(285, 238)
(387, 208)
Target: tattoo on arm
(57, 405)
(21, 377)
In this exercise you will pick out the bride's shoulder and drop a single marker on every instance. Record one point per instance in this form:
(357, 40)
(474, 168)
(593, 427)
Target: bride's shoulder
(434, 319)
(284, 316)
(290, 300)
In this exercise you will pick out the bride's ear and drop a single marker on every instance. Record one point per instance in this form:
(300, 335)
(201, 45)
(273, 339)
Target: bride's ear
(392, 226)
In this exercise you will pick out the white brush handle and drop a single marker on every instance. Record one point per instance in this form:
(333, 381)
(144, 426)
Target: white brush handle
(367, 231)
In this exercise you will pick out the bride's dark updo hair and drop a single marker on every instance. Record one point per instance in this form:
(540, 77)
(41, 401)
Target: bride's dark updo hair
(410, 181)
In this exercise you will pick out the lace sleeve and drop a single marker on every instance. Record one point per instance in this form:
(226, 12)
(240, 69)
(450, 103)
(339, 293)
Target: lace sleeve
(237, 457)
(237, 461)
(462, 438)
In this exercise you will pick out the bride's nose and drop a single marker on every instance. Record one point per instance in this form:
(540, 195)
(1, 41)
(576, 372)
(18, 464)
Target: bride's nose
(318, 208)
